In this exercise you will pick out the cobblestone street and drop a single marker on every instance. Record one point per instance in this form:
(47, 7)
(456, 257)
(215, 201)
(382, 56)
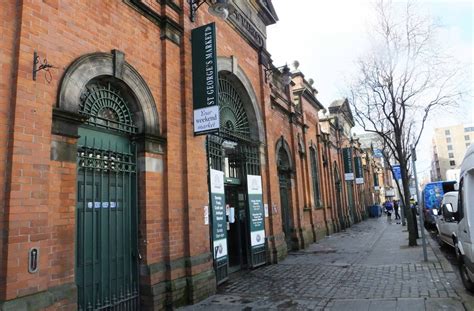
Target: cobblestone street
(367, 267)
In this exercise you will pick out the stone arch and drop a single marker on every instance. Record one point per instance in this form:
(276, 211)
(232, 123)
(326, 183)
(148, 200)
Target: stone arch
(110, 67)
(227, 67)
(282, 146)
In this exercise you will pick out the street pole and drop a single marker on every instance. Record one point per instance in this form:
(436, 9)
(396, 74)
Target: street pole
(422, 228)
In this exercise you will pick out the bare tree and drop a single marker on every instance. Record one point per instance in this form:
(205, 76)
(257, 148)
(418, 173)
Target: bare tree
(401, 80)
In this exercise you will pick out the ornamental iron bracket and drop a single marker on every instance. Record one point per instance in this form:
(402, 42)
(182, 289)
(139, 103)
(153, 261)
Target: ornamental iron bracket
(41, 65)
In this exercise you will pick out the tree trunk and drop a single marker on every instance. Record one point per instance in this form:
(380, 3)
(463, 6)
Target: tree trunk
(412, 234)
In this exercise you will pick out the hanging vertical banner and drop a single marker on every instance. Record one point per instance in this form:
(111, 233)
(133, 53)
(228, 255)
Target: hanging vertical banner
(397, 173)
(376, 181)
(205, 87)
(358, 170)
(256, 211)
(219, 222)
(348, 169)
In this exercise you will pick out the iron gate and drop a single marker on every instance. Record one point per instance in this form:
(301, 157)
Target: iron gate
(106, 210)
(216, 161)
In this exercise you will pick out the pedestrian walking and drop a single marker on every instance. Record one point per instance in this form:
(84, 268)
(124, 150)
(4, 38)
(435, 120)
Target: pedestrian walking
(388, 208)
(396, 207)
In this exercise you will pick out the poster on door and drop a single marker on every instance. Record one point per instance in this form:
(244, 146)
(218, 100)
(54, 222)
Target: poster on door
(219, 222)
(256, 210)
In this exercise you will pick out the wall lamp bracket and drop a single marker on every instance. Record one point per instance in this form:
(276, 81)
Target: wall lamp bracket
(39, 65)
(219, 8)
(194, 6)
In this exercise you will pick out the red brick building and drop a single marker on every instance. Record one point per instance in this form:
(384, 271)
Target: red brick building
(106, 189)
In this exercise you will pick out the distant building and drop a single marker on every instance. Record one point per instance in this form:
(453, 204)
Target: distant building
(449, 146)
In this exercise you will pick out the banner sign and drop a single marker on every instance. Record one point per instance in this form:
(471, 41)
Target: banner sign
(376, 181)
(378, 153)
(219, 221)
(358, 170)
(397, 173)
(348, 169)
(256, 211)
(205, 85)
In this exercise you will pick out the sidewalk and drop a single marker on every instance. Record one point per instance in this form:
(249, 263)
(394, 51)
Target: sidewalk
(367, 267)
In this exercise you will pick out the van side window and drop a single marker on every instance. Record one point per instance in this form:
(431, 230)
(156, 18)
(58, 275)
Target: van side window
(460, 199)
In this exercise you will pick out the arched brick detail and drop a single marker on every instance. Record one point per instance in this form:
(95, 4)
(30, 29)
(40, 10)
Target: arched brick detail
(254, 114)
(108, 66)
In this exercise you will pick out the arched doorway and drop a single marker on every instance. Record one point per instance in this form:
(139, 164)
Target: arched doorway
(235, 152)
(284, 178)
(105, 102)
(106, 208)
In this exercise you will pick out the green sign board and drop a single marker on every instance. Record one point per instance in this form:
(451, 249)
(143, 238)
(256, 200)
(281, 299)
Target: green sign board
(219, 221)
(376, 181)
(256, 211)
(348, 169)
(358, 170)
(205, 87)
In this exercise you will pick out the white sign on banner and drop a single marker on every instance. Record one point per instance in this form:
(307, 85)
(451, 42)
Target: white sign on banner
(256, 209)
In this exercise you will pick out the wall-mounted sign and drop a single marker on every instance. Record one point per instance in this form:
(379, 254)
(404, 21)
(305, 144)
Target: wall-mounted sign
(397, 173)
(348, 168)
(205, 87)
(376, 181)
(219, 221)
(378, 153)
(256, 211)
(358, 170)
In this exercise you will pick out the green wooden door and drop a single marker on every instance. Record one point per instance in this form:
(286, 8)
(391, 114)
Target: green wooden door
(106, 210)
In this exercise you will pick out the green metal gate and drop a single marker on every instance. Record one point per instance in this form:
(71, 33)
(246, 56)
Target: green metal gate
(215, 156)
(106, 213)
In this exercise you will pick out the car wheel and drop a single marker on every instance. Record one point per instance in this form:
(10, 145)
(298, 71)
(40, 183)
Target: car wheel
(468, 284)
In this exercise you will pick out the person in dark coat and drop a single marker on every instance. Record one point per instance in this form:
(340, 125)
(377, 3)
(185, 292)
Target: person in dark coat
(396, 207)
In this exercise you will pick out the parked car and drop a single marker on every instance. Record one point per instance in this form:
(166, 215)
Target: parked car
(432, 196)
(465, 216)
(446, 221)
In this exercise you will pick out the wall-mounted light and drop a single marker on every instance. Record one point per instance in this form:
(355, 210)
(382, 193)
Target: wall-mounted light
(219, 8)
(285, 74)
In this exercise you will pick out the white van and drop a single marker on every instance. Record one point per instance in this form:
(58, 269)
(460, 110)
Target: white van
(465, 216)
(446, 221)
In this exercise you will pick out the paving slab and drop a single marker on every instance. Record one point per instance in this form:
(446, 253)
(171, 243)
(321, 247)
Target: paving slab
(367, 267)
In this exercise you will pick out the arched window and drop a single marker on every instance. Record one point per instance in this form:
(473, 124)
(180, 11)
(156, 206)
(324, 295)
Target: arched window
(315, 176)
